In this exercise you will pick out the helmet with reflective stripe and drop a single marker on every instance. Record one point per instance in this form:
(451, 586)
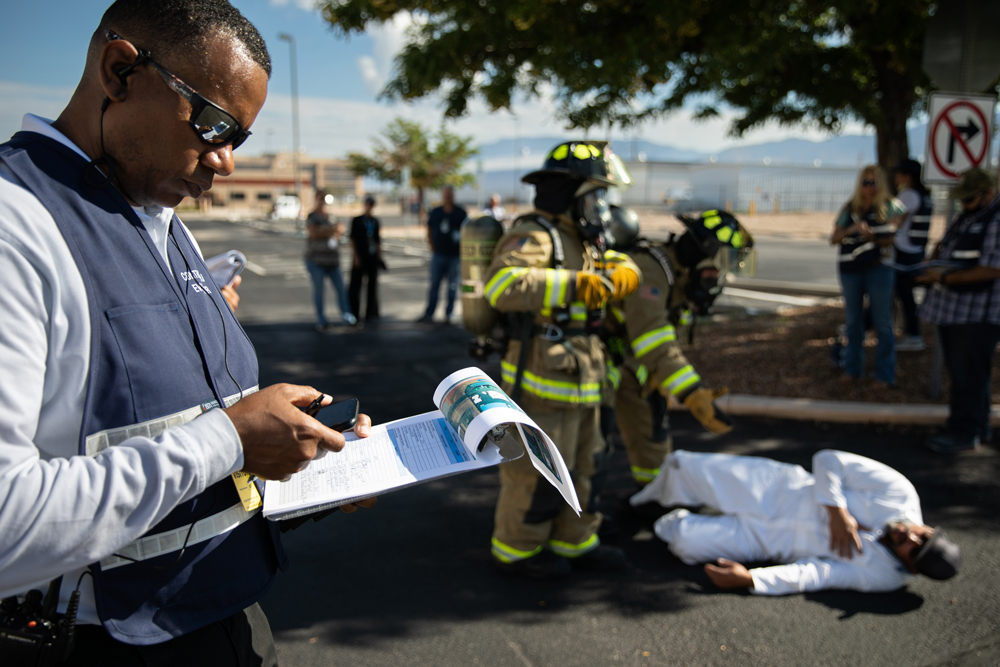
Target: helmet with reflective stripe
(591, 161)
(715, 229)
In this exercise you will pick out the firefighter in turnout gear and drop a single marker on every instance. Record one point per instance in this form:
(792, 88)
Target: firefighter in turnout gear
(551, 278)
(680, 275)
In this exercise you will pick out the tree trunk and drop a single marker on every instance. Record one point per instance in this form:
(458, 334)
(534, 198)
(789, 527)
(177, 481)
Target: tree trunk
(895, 106)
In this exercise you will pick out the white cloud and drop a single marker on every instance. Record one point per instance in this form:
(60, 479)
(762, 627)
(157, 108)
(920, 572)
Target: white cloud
(388, 38)
(307, 5)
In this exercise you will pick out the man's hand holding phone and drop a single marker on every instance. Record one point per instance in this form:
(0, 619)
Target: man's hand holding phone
(278, 438)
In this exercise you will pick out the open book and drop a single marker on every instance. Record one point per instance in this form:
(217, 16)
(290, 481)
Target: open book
(477, 426)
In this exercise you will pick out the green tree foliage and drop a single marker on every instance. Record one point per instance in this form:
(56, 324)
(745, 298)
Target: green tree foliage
(407, 145)
(818, 62)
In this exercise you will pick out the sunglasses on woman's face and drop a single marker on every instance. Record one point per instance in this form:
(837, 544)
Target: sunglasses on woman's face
(213, 124)
(869, 183)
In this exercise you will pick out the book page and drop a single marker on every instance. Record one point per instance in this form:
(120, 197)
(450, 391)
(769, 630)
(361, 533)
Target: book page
(478, 409)
(395, 455)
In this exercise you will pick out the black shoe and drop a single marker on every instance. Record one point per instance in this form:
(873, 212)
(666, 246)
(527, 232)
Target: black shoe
(425, 319)
(608, 528)
(952, 443)
(546, 565)
(602, 558)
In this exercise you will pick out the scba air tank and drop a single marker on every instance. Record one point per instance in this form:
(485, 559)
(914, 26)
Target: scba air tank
(479, 240)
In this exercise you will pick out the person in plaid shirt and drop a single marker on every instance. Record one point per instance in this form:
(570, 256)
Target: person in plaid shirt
(964, 301)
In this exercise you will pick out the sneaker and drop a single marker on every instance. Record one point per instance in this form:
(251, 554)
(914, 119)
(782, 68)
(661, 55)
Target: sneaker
(910, 344)
(602, 558)
(426, 319)
(324, 328)
(546, 565)
(952, 443)
(350, 319)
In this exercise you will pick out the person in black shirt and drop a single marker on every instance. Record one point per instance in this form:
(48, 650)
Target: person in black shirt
(444, 226)
(367, 246)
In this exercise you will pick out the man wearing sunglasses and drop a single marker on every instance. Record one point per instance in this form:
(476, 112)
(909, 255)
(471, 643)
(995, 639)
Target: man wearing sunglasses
(963, 299)
(128, 391)
(852, 524)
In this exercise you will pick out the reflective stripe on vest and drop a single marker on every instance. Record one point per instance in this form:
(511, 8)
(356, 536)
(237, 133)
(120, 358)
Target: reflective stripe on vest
(570, 550)
(681, 380)
(642, 374)
(501, 281)
(578, 311)
(98, 442)
(161, 544)
(651, 340)
(853, 255)
(618, 315)
(965, 254)
(508, 554)
(644, 475)
(553, 390)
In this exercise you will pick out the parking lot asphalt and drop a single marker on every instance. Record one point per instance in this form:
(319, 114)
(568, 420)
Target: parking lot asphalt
(410, 582)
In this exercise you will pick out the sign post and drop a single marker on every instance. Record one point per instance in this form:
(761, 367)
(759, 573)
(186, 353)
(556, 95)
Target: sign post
(959, 132)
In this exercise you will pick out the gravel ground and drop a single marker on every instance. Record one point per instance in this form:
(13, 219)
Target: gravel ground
(789, 354)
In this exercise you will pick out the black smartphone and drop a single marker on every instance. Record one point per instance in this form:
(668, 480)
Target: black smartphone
(340, 416)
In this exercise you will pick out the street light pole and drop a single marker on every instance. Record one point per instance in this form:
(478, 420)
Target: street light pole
(285, 37)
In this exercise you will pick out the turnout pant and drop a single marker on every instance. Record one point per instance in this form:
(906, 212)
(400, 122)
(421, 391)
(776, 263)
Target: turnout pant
(644, 427)
(530, 513)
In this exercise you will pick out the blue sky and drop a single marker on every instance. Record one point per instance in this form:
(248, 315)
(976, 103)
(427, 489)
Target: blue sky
(45, 41)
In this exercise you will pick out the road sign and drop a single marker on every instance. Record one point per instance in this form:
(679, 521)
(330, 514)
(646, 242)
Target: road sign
(958, 135)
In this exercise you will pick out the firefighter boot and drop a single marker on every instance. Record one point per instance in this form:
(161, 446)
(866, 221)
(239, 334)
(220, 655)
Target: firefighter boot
(601, 558)
(545, 565)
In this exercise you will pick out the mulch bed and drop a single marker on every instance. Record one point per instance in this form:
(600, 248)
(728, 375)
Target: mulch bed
(788, 354)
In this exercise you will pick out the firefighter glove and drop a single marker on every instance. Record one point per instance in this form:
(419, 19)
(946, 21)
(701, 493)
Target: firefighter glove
(700, 403)
(625, 279)
(593, 289)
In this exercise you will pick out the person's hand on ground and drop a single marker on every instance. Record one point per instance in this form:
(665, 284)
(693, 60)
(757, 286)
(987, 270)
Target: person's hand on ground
(844, 536)
(279, 439)
(729, 574)
(229, 293)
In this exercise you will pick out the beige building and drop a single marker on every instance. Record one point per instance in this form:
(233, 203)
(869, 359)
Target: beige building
(257, 182)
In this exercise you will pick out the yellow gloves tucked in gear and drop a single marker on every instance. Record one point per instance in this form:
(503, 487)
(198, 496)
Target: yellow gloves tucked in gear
(626, 281)
(593, 289)
(701, 404)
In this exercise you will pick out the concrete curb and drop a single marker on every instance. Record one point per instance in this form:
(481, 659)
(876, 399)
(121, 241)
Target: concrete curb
(805, 409)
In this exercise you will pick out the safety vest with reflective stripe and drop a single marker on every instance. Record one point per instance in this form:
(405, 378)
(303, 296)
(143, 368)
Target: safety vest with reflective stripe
(164, 347)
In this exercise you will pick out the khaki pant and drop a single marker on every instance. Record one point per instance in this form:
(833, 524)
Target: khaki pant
(634, 417)
(530, 512)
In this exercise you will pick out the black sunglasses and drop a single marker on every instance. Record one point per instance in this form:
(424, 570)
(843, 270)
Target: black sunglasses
(868, 182)
(214, 125)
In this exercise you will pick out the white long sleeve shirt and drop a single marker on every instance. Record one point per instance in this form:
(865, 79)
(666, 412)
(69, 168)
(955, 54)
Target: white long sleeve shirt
(781, 513)
(60, 511)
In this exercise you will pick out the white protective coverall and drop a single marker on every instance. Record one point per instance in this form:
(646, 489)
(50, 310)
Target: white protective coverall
(775, 511)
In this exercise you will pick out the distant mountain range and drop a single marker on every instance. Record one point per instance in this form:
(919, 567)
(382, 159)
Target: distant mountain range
(521, 155)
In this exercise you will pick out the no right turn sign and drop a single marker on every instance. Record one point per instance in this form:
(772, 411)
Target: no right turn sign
(958, 135)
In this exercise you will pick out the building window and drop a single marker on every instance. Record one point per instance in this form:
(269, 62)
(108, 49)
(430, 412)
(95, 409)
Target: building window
(237, 196)
(263, 196)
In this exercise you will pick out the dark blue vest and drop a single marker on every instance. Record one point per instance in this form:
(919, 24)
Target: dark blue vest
(162, 341)
(963, 242)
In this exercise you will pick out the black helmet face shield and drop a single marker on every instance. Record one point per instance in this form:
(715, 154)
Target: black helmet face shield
(592, 211)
